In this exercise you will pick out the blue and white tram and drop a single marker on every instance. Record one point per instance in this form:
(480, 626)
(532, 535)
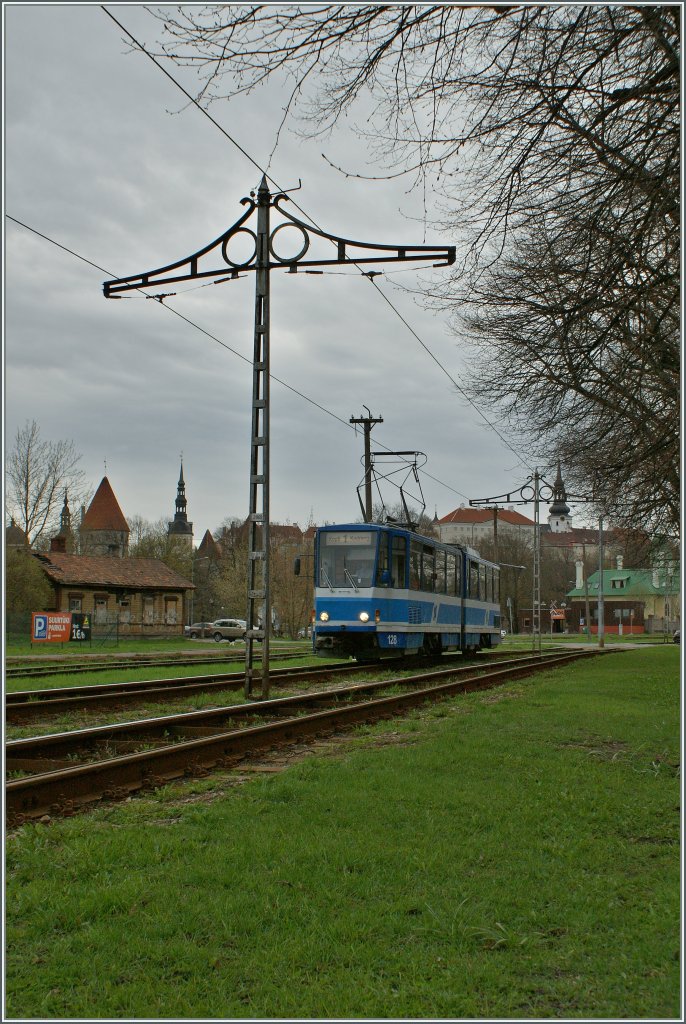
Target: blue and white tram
(383, 591)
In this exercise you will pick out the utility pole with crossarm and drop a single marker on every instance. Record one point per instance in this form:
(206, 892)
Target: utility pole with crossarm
(215, 262)
(367, 422)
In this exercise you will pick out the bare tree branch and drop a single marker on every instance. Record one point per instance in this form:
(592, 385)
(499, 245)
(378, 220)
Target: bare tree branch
(552, 135)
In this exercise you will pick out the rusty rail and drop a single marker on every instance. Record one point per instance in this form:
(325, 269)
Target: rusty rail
(63, 790)
(38, 670)
(26, 705)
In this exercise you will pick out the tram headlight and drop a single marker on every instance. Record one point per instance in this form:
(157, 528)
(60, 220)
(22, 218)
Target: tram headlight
(364, 616)
(324, 616)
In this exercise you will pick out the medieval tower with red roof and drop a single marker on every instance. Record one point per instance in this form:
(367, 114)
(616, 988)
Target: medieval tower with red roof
(103, 529)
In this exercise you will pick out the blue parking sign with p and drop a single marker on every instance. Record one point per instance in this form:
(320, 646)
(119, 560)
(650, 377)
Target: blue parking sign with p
(40, 627)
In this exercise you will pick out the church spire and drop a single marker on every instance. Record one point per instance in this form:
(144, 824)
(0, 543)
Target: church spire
(63, 541)
(65, 516)
(180, 527)
(558, 512)
(181, 497)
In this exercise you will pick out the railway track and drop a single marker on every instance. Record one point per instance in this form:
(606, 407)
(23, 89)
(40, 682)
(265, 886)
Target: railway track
(66, 771)
(39, 670)
(25, 706)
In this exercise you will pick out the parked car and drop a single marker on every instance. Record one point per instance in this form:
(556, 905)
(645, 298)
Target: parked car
(229, 629)
(677, 637)
(198, 629)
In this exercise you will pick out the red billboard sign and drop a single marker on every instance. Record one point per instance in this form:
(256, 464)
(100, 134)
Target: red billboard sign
(59, 627)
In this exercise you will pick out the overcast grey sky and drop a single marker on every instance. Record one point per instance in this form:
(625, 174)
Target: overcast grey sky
(104, 155)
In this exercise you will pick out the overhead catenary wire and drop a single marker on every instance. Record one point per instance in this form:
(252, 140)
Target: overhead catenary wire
(213, 337)
(256, 164)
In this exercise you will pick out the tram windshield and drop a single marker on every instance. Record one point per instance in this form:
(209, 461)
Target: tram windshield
(347, 559)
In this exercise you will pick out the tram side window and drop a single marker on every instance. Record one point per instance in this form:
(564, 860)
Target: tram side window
(474, 580)
(458, 571)
(450, 568)
(428, 569)
(398, 562)
(415, 563)
(482, 583)
(382, 574)
(496, 585)
(440, 572)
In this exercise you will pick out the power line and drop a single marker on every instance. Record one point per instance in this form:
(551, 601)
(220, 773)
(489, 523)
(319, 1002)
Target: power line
(214, 338)
(233, 141)
(179, 86)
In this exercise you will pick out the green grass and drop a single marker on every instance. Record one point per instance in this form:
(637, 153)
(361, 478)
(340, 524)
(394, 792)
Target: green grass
(512, 853)
(138, 673)
(547, 640)
(16, 646)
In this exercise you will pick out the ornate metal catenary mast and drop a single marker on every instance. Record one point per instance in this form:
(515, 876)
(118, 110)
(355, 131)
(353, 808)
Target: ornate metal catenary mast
(537, 489)
(534, 489)
(215, 261)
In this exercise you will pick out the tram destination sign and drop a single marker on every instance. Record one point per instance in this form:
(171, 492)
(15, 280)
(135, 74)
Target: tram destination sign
(334, 540)
(60, 627)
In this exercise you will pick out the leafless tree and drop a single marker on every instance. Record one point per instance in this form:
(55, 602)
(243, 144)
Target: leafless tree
(152, 540)
(39, 472)
(552, 133)
(577, 340)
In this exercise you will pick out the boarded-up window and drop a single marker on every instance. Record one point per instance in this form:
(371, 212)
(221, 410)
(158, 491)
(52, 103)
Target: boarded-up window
(100, 609)
(170, 613)
(148, 610)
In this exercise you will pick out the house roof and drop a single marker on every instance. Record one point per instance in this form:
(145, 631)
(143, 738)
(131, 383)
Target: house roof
(279, 531)
(209, 547)
(578, 535)
(636, 583)
(103, 512)
(468, 516)
(101, 570)
(15, 536)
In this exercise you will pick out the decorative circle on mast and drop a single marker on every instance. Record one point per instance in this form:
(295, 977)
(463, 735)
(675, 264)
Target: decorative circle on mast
(229, 238)
(299, 255)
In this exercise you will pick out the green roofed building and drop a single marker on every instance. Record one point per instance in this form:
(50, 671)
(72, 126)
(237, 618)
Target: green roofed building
(635, 600)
